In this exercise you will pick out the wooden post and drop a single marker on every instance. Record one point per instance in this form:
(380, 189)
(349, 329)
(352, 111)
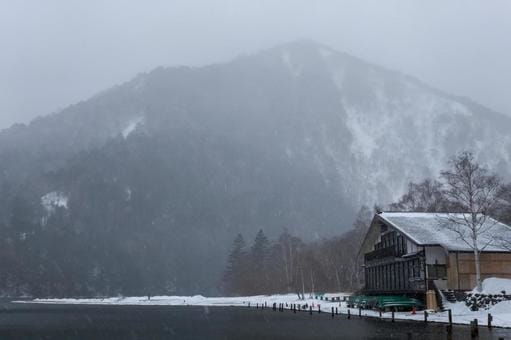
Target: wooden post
(257, 305)
(319, 309)
(274, 306)
(249, 305)
(392, 315)
(310, 310)
(380, 312)
(425, 316)
(349, 314)
(449, 326)
(476, 327)
(336, 311)
(332, 312)
(359, 312)
(294, 308)
(490, 319)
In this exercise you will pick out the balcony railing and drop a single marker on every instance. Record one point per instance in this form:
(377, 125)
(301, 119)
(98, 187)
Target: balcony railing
(382, 253)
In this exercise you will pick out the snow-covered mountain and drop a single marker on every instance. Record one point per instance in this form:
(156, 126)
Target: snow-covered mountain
(399, 128)
(169, 166)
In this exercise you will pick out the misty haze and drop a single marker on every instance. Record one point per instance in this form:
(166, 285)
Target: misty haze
(164, 164)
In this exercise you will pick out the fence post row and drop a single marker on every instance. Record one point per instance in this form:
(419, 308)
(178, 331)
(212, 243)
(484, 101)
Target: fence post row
(474, 326)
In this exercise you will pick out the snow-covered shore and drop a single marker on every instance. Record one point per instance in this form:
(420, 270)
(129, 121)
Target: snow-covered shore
(461, 314)
(196, 300)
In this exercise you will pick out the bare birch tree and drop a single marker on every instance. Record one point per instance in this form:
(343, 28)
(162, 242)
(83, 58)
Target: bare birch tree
(426, 196)
(290, 247)
(474, 192)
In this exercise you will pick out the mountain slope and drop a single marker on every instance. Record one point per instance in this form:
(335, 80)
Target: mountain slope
(143, 186)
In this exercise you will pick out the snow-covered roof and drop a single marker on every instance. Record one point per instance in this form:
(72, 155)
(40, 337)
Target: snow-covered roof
(444, 229)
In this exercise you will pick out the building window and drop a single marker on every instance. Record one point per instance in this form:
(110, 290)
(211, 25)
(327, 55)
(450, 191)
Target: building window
(437, 271)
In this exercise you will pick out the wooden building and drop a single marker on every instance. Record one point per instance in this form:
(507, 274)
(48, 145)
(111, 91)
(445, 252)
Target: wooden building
(413, 253)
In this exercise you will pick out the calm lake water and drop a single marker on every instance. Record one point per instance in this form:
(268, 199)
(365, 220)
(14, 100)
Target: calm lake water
(35, 321)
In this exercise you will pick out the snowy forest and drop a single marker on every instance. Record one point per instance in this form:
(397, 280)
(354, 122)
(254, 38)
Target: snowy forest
(142, 188)
(289, 265)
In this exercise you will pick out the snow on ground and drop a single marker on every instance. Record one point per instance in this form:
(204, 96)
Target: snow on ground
(196, 300)
(132, 125)
(494, 285)
(295, 69)
(54, 199)
(460, 313)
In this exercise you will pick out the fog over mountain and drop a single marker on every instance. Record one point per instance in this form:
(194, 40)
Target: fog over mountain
(56, 53)
(143, 186)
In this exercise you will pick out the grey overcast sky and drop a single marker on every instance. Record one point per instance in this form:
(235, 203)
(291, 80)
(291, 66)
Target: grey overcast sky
(54, 53)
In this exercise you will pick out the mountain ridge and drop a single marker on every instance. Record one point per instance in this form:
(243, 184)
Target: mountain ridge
(164, 170)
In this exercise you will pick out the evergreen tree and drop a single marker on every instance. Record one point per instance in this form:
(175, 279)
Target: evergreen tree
(258, 259)
(233, 278)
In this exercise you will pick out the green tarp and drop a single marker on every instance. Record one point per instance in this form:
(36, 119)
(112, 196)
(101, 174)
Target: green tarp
(383, 302)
